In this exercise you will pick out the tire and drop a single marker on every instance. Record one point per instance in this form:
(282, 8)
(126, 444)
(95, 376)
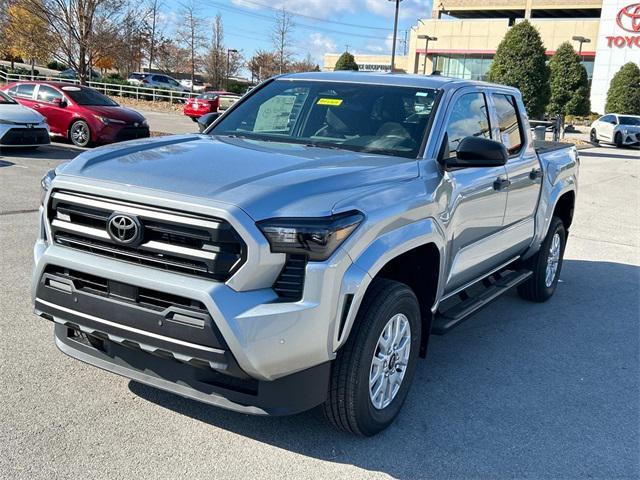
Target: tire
(593, 136)
(77, 138)
(617, 140)
(542, 284)
(349, 406)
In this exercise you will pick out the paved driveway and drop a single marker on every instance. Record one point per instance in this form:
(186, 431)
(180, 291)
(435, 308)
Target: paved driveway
(521, 391)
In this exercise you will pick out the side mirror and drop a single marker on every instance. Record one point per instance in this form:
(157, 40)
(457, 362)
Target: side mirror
(478, 152)
(207, 119)
(59, 102)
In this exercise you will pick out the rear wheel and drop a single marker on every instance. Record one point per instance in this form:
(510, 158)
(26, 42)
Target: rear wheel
(618, 140)
(593, 136)
(372, 373)
(79, 133)
(545, 265)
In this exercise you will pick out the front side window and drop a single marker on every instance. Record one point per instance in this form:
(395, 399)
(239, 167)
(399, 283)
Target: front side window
(508, 122)
(25, 90)
(381, 119)
(48, 94)
(468, 118)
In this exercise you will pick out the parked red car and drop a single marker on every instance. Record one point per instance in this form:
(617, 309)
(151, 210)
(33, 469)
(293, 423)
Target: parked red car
(208, 102)
(79, 113)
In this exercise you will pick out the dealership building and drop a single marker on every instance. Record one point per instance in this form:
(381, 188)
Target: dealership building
(461, 37)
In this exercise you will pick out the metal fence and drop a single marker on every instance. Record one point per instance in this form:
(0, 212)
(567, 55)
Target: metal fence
(113, 89)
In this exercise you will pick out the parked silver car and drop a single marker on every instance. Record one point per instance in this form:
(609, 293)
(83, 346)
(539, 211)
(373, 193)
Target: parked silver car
(21, 126)
(165, 82)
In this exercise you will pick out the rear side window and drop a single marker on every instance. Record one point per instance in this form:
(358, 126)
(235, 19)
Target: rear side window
(25, 90)
(469, 118)
(508, 122)
(48, 94)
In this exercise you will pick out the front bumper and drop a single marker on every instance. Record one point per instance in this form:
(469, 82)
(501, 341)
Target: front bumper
(121, 133)
(631, 138)
(20, 136)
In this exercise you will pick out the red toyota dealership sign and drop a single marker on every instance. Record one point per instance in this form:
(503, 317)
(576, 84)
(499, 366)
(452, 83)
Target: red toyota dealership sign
(628, 19)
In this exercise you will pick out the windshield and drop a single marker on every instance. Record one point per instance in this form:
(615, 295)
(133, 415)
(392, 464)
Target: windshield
(88, 96)
(6, 99)
(381, 119)
(635, 121)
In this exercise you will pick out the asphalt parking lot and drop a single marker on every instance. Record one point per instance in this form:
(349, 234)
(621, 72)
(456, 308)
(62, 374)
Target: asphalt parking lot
(522, 390)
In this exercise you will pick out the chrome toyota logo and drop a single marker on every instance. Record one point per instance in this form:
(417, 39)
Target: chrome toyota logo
(628, 18)
(124, 229)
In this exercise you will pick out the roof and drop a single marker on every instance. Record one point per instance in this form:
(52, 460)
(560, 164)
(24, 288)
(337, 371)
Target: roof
(396, 79)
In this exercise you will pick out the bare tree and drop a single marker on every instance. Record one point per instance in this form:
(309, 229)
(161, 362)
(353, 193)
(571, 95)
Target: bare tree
(155, 8)
(191, 35)
(80, 27)
(215, 61)
(171, 58)
(282, 38)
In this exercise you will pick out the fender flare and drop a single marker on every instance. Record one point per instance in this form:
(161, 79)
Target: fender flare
(372, 259)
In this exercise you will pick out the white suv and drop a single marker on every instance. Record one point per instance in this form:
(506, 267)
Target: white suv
(620, 130)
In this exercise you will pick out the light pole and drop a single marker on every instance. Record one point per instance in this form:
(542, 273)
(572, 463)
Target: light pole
(229, 52)
(582, 40)
(426, 50)
(395, 34)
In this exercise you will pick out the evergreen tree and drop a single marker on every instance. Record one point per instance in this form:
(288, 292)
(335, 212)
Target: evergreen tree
(569, 83)
(346, 62)
(520, 62)
(624, 91)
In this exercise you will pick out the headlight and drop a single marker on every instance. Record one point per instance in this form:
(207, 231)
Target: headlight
(45, 185)
(317, 238)
(109, 121)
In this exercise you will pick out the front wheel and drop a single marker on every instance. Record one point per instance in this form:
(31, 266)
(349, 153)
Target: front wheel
(593, 136)
(80, 134)
(372, 373)
(618, 140)
(545, 265)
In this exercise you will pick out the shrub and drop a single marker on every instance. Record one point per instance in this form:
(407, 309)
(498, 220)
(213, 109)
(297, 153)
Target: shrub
(624, 91)
(346, 62)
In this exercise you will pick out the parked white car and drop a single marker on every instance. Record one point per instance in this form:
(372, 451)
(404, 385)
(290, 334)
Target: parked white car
(20, 126)
(619, 130)
(198, 86)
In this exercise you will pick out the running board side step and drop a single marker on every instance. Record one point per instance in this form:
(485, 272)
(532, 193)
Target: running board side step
(445, 321)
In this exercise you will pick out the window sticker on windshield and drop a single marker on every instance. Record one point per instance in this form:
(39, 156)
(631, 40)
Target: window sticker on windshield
(330, 102)
(71, 89)
(422, 94)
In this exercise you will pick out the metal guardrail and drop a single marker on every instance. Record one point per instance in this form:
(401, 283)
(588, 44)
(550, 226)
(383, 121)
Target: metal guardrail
(114, 89)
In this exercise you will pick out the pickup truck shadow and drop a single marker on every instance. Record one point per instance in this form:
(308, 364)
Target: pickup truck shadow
(520, 390)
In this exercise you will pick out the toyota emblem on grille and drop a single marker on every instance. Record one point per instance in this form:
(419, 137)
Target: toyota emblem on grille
(125, 229)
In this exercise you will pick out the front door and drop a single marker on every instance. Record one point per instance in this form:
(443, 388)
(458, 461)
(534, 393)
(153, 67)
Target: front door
(476, 198)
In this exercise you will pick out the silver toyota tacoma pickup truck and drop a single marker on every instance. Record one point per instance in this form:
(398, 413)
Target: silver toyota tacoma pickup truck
(301, 251)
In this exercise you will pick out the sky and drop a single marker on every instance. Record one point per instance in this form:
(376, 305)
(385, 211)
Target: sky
(321, 26)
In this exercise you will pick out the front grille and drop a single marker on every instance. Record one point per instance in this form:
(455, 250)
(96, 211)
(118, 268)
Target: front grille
(131, 133)
(25, 136)
(172, 241)
(142, 297)
(290, 283)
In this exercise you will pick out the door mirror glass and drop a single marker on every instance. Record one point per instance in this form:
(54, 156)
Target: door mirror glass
(59, 102)
(473, 152)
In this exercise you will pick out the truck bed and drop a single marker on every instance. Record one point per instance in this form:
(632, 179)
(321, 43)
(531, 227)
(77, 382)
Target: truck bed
(544, 146)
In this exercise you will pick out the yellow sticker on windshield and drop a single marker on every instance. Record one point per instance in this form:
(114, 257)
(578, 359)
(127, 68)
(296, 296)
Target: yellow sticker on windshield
(331, 102)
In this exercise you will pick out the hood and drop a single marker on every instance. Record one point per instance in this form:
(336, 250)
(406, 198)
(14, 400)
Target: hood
(265, 179)
(19, 114)
(116, 113)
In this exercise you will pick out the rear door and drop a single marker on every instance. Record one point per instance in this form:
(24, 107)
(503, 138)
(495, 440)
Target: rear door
(24, 94)
(523, 171)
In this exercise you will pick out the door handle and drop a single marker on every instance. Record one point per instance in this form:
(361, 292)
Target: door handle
(501, 183)
(535, 173)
